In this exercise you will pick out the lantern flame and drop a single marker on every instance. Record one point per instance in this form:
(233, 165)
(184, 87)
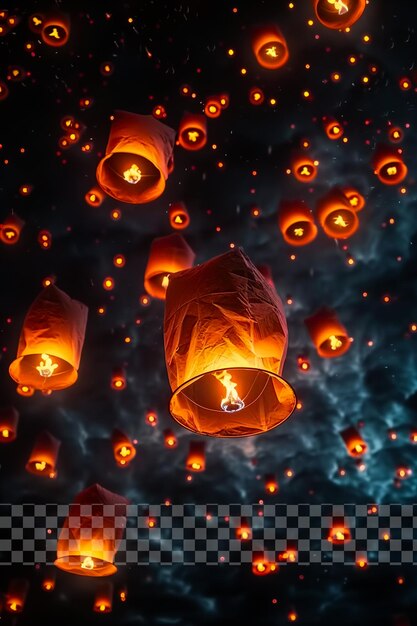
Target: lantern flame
(305, 171)
(231, 402)
(272, 52)
(46, 368)
(392, 171)
(5, 433)
(125, 451)
(102, 607)
(193, 135)
(13, 606)
(54, 33)
(339, 221)
(40, 465)
(88, 563)
(335, 343)
(133, 174)
(339, 6)
(298, 232)
(165, 282)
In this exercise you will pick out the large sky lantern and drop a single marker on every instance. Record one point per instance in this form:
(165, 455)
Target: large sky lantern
(16, 594)
(328, 334)
(51, 341)
(10, 229)
(388, 165)
(338, 14)
(304, 168)
(123, 449)
(354, 442)
(179, 217)
(226, 340)
(44, 455)
(9, 420)
(270, 47)
(55, 30)
(103, 600)
(138, 159)
(355, 198)
(296, 223)
(168, 255)
(192, 133)
(336, 216)
(92, 532)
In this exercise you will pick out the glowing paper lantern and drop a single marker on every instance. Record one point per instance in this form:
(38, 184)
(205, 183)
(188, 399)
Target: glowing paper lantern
(395, 134)
(334, 130)
(270, 48)
(94, 197)
(9, 420)
(213, 108)
(104, 598)
(55, 30)
(339, 533)
(123, 449)
(167, 256)
(118, 379)
(139, 157)
(354, 442)
(355, 199)
(225, 346)
(336, 216)
(329, 336)
(338, 14)
(92, 532)
(49, 579)
(16, 595)
(170, 439)
(178, 216)
(296, 223)
(196, 459)
(271, 483)
(389, 166)
(50, 344)
(256, 96)
(10, 229)
(25, 390)
(304, 168)
(192, 133)
(43, 458)
(261, 566)
(244, 531)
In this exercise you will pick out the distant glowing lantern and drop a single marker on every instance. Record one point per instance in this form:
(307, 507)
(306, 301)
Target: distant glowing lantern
(192, 133)
(16, 595)
(213, 108)
(104, 598)
(123, 449)
(403, 472)
(338, 14)
(304, 168)
(261, 566)
(92, 532)
(303, 363)
(224, 100)
(94, 197)
(270, 48)
(167, 256)
(225, 346)
(159, 112)
(50, 344)
(355, 199)
(44, 456)
(55, 30)
(118, 379)
(123, 594)
(336, 216)
(25, 390)
(256, 96)
(45, 239)
(178, 216)
(49, 579)
(339, 533)
(151, 418)
(196, 459)
(10, 229)
(170, 439)
(4, 91)
(106, 68)
(395, 134)
(329, 336)
(271, 483)
(139, 157)
(243, 531)
(290, 554)
(389, 166)
(296, 223)
(36, 22)
(334, 130)
(354, 442)
(9, 420)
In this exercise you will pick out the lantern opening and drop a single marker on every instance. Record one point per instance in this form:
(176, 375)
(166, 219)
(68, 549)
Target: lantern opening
(130, 169)
(192, 136)
(41, 370)
(271, 51)
(340, 223)
(85, 565)
(299, 231)
(334, 345)
(338, 14)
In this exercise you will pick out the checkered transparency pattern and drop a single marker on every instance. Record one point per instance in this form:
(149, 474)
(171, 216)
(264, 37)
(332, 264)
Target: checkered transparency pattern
(195, 534)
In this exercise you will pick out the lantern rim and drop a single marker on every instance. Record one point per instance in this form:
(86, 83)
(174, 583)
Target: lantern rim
(72, 565)
(334, 21)
(310, 229)
(61, 380)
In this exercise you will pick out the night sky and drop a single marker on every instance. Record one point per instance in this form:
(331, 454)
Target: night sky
(232, 189)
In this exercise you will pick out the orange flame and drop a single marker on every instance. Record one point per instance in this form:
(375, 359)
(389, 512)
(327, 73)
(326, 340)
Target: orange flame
(46, 368)
(88, 563)
(335, 343)
(231, 402)
(133, 174)
(339, 6)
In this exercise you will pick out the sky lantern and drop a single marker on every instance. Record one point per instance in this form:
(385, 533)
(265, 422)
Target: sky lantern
(290, 554)
(338, 14)
(104, 598)
(16, 595)
(256, 96)
(55, 30)
(261, 566)
(395, 134)
(49, 579)
(336, 216)
(196, 459)
(170, 439)
(138, 159)
(10, 229)
(243, 531)
(329, 336)
(25, 390)
(355, 198)
(213, 107)
(296, 223)
(354, 442)
(9, 420)
(118, 379)
(92, 532)
(333, 129)
(123, 449)
(51, 340)
(44, 455)
(270, 48)
(304, 168)
(178, 216)
(167, 256)
(225, 345)
(271, 483)
(389, 166)
(94, 197)
(339, 533)
(192, 133)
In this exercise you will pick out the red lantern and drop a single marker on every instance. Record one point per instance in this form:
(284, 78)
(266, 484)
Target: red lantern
(196, 459)
(104, 598)
(10, 229)
(170, 439)
(355, 444)
(338, 14)
(192, 133)
(329, 336)
(213, 108)
(389, 166)
(43, 458)
(151, 418)
(270, 48)
(224, 368)
(123, 449)
(92, 532)
(167, 256)
(16, 595)
(296, 223)
(55, 30)
(178, 216)
(118, 379)
(271, 484)
(304, 168)
(9, 420)
(336, 216)
(355, 199)
(139, 157)
(333, 129)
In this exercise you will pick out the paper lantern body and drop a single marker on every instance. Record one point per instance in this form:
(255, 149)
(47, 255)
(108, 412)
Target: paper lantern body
(329, 336)
(54, 327)
(167, 256)
(43, 458)
(336, 216)
(11, 228)
(225, 330)
(354, 442)
(16, 595)
(9, 419)
(334, 130)
(270, 48)
(178, 216)
(356, 199)
(104, 598)
(339, 15)
(139, 157)
(55, 30)
(49, 579)
(296, 223)
(304, 168)
(92, 532)
(192, 133)
(196, 459)
(389, 166)
(123, 449)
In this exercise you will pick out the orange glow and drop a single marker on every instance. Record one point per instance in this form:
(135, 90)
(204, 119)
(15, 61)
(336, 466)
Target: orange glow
(9, 420)
(270, 48)
(336, 216)
(167, 256)
(338, 14)
(118, 380)
(339, 534)
(25, 390)
(256, 96)
(108, 283)
(44, 455)
(303, 363)
(296, 223)
(170, 439)
(151, 418)
(104, 598)
(261, 566)
(329, 336)
(355, 199)
(389, 166)
(304, 168)
(48, 582)
(289, 556)
(271, 484)
(123, 448)
(10, 229)
(16, 595)
(355, 444)
(405, 84)
(119, 260)
(178, 216)
(159, 112)
(94, 197)
(231, 402)
(362, 563)
(45, 239)
(333, 129)
(46, 367)
(244, 531)
(133, 174)
(403, 472)
(395, 134)
(196, 459)
(55, 30)
(192, 132)
(213, 107)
